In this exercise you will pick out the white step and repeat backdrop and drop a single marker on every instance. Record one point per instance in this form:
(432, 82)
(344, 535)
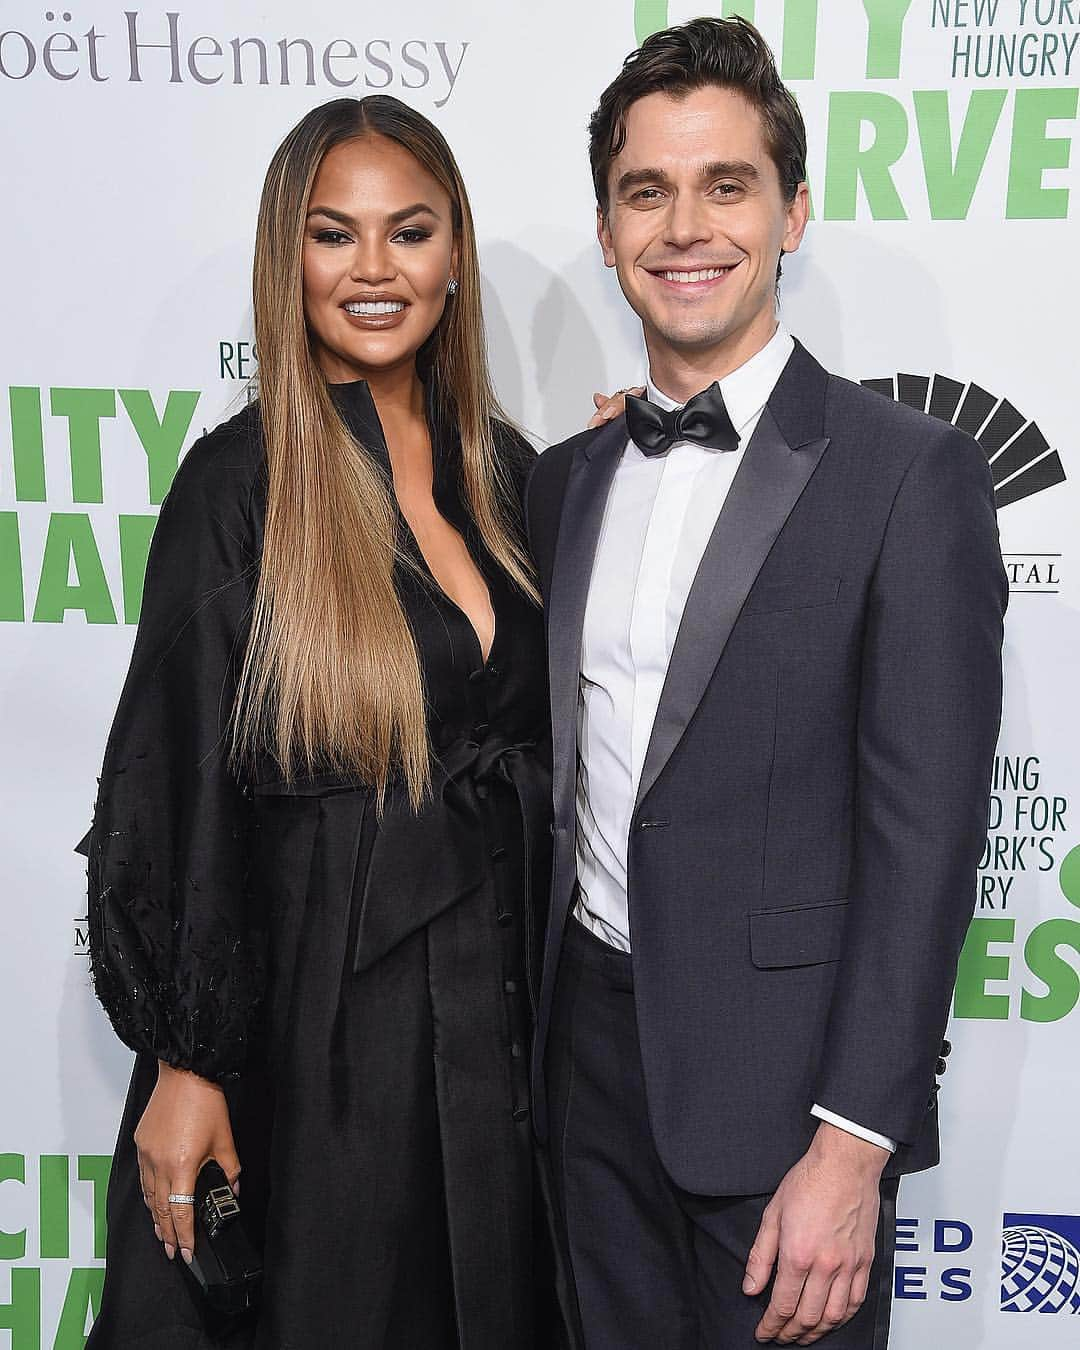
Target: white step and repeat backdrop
(941, 265)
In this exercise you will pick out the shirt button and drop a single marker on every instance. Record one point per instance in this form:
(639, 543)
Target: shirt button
(493, 671)
(505, 918)
(510, 986)
(515, 1050)
(481, 790)
(521, 1113)
(497, 853)
(475, 675)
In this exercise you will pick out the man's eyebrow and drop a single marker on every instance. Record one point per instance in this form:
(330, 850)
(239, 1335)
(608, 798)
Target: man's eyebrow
(633, 178)
(730, 168)
(395, 218)
(718, 168)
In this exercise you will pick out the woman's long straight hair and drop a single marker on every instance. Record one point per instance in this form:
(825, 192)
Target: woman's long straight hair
(331, 676)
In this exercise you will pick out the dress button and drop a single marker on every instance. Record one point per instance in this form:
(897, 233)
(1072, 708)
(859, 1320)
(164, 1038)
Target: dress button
(493, 671)
(521, 1113)
(505, 918)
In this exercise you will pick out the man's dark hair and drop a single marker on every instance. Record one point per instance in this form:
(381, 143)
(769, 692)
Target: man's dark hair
(729, 53)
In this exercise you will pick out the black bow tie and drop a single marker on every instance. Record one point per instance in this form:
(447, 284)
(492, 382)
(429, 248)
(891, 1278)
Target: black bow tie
(703, 420)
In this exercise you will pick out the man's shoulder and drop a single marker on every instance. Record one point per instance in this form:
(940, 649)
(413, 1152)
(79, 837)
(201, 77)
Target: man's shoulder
(891, 429)
(557, 458)
(549, 473)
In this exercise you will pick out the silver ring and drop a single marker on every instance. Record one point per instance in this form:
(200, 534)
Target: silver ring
(181, 1199)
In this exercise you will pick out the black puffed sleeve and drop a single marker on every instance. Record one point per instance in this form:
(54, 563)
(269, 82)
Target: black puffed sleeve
(176, 953)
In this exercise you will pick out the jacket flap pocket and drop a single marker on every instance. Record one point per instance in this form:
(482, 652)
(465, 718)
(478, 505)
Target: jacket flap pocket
(807, 936)
(799, 593)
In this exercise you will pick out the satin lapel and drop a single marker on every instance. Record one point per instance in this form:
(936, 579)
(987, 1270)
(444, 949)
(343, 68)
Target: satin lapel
(766, 487)
(587, 488)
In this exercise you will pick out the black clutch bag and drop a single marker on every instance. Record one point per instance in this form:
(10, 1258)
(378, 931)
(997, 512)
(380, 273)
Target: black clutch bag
(224, 1264)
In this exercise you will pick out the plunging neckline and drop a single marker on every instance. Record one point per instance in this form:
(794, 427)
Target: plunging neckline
(485, 657)
(357, 407)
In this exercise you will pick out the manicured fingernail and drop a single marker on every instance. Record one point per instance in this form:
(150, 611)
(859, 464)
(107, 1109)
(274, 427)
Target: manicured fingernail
(236, 1186)
(186, 1255)
(170, 1250)
(157, 1232)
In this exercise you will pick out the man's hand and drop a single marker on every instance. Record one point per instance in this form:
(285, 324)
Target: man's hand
(819, 1231)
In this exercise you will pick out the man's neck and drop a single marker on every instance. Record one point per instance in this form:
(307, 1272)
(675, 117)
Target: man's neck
(681, 372)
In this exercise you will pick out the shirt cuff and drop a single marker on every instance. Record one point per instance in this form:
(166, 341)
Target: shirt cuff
(841, 1123)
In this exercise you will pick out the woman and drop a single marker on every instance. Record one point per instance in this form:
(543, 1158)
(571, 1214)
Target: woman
(318, 848)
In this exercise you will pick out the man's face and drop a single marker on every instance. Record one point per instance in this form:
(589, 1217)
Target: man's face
(695, 224)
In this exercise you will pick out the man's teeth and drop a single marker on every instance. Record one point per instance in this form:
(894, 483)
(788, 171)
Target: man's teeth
(375, 306)
(709, 274)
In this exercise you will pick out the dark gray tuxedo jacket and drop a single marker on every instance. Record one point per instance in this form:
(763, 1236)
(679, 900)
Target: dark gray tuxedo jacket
(813, 804)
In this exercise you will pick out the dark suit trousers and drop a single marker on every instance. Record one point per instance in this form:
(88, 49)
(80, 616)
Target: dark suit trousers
(655, 1267)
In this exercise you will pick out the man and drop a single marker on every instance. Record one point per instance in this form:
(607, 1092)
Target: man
(774, 624)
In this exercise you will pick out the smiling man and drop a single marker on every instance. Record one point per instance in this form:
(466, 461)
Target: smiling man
(775, 607)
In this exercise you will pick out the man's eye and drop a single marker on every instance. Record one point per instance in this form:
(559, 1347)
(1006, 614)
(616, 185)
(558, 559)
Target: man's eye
(647, 195)
(727, 189)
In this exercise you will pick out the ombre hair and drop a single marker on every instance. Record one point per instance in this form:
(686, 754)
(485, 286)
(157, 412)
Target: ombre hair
(331, 677)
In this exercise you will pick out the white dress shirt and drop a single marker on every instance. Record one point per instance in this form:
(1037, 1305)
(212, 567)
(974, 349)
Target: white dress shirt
(659, 516)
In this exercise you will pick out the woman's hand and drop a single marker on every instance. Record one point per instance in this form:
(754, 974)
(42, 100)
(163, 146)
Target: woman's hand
(186, 1122)
(611, 405)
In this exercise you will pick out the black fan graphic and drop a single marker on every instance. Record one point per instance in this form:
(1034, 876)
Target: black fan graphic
(1020, 456)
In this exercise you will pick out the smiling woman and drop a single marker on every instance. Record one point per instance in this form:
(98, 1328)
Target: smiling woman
(323, 813)
(369, 269)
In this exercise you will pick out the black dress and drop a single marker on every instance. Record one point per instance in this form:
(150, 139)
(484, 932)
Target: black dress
(360, 985)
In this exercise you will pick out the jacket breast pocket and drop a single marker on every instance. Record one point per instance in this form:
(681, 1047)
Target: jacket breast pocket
(809, 935)
(777, 597)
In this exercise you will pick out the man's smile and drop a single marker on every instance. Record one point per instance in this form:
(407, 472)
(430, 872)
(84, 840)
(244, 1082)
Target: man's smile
(692, 281)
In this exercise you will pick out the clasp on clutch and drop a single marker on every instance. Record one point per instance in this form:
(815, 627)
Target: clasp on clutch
(219, 1207)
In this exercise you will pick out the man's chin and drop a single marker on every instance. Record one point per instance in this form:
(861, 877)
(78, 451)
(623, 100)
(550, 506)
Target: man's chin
(693, 337)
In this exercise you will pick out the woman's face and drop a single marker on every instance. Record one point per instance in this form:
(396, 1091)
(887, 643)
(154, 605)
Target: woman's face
(379, 250)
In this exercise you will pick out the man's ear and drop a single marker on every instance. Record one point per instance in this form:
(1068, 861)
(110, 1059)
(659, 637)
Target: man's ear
(798, 213)
(603, 233)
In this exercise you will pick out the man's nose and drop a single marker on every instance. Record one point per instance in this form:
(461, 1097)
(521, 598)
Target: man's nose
(687, 221)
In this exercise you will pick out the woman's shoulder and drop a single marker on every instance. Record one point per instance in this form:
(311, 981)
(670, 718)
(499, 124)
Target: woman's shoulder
(514, 453)
(223, 470)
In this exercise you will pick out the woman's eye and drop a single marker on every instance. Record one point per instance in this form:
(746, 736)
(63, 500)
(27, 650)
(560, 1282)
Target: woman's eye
(331, 237)
(413, 235)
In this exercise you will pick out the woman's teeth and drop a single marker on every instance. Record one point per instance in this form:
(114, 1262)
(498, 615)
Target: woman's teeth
(708, 274)
(372, 307)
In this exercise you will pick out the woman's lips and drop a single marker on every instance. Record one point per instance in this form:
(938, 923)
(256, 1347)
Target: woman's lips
(374, 314)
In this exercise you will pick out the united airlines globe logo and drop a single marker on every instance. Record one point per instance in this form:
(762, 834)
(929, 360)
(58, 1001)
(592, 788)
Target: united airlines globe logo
(1040, 1264)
